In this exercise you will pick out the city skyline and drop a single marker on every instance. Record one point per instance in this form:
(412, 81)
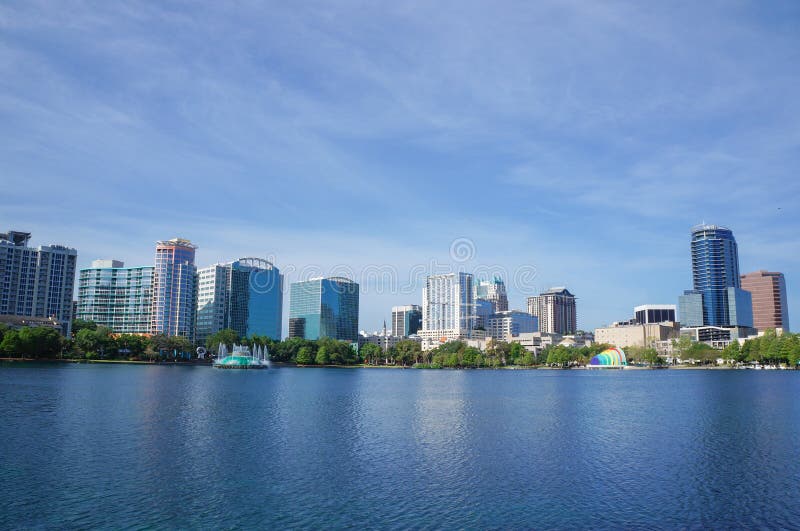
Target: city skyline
(254, 121)
(392, 276)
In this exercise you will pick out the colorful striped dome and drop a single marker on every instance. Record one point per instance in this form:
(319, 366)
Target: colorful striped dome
(613, 357)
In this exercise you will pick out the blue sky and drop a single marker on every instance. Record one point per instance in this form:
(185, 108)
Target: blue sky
(577, 140)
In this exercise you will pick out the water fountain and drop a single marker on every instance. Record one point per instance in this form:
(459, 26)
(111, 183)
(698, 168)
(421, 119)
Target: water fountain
(241, 357)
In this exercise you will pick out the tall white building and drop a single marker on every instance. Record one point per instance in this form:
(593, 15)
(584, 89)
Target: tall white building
(448, 309)
(556, 311)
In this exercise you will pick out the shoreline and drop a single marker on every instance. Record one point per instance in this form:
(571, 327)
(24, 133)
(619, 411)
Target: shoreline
(197, 363)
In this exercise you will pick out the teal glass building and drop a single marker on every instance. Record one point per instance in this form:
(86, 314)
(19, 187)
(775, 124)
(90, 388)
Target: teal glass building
(324, 307)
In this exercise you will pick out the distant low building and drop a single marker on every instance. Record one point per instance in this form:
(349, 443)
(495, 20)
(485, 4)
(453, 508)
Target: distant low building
(655, 313)
(510, 324)
(384, 339)
(717, 336)
(535, 342)
(637, 335)
(17, 321)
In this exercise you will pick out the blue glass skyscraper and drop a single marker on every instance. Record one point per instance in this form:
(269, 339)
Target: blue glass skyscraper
(324, 307)
(715, 275)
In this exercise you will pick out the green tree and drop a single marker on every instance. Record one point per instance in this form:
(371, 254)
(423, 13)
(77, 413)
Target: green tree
(516, 353)
(82, 324)
(11, 346)
(160, 344)
(322, 357)
(731, 352)
(470, 357)
(409, 350)
(132, 346)
(179, 345)
(227, 337)
(371, 353)
(650, 355)
(95, 343)
(304, 356)
(527, 359)
(32, 342)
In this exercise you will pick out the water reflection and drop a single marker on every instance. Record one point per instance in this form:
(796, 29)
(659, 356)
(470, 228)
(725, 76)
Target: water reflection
(180, 447)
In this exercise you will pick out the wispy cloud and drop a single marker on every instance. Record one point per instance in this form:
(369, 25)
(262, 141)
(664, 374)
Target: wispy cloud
(581, 138)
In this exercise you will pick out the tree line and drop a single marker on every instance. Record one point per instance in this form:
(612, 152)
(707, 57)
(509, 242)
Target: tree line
(90, 341)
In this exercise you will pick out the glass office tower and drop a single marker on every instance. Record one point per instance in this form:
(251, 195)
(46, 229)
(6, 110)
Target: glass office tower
(324, 307)
(715, 268)
(245, 295)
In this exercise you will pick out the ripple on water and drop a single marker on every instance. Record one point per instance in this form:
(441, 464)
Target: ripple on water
(182, 448)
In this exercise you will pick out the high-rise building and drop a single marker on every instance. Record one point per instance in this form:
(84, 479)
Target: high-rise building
(115, 296)
(484, 309)
(324, 307)
(36, 282)
(690, 306)
(406, 320)
(740, 308)
(715, 268)
(245, 295)
(493, 291)
(511, 323)
(654, 313)
(556, 311)
(768, 290)
(448, 309)
(174, 289)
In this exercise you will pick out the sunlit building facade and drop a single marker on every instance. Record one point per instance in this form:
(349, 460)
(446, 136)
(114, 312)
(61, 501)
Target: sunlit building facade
(448, 309)
(174, 289)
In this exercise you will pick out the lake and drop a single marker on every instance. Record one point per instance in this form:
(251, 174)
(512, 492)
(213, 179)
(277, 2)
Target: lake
(187, 447)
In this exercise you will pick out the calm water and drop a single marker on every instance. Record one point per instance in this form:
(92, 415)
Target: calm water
(178, 447)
